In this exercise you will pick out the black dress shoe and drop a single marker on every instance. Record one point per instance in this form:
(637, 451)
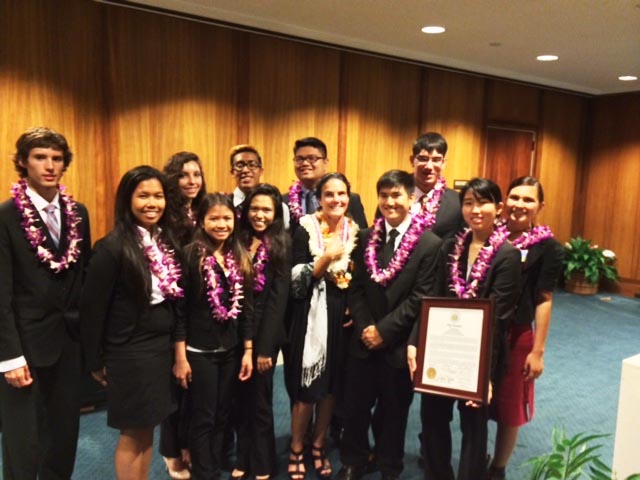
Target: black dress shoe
(350, 472)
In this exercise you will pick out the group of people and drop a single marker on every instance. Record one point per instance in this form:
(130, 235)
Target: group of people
(182, 309)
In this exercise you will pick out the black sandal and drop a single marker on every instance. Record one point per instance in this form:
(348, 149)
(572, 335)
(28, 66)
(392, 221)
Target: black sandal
(296, 460)
(324, 471)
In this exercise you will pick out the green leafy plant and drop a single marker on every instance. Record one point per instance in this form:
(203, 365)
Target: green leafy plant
(580, 256)
(572, 458)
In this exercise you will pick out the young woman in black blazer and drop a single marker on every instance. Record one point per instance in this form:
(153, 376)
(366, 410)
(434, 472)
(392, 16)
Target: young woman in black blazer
(185, 190)
(128, 317)
(541, 262)
(478, 263)
(218, 312)
(262, 231)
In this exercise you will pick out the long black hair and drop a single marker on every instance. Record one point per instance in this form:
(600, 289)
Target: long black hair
(275, 236)
(176, 202)
(134, 264)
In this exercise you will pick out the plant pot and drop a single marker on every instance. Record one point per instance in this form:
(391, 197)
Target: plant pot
(578, 285)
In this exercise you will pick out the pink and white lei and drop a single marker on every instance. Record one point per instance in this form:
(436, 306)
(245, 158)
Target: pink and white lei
(409, 240)
(215, 291)
(429, 208)
(35, 234)
(259, 264)
(529, 238)
(458, 284)
(163, 264)
(295, 201)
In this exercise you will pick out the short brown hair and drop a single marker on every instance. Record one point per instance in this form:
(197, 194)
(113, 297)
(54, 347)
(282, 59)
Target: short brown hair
(40, 137)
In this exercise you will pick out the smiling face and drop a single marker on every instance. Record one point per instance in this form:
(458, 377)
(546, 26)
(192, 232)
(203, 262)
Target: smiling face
(45, 167)
(522, 207)
(190, 180)
(148, 203)
(310, 165)
(218, 223)
(394, 204)
(480, 213)
(262, 213)
(247, 170)
(334, 200)
(427, 168)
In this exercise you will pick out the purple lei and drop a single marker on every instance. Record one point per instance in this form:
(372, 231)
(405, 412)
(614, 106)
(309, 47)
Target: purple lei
(400, 256)
(260, 262)
(532, 236)
(214, 291)
(35, 234)
(458, 284)
(295, 201)
(429, 208)
(163, 264)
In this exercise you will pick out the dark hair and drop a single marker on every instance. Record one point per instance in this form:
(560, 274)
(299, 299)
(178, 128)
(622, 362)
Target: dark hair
(40, 137)
(275, 235)
(528, 181)
(430, 141)
(134, 263)
(331, 176)
(396, 178)
(233, 243)
(240, 149)
(176, 202)
(310, 142)
(482, 188)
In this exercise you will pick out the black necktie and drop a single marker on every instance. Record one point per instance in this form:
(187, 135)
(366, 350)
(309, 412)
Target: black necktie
(389, 247)
(308, 202)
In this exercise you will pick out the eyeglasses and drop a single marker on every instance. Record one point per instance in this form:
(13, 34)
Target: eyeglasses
(426, 158)
(251, 165)
(312, 159)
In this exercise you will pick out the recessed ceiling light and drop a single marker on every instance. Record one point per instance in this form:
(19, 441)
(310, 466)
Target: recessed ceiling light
(433, 29)
(627, 78)
(547, 58)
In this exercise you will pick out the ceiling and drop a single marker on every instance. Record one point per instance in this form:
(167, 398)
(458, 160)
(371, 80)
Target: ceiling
(596, 40)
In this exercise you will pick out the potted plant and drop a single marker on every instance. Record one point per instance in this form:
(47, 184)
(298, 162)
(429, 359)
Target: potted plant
(585, 265)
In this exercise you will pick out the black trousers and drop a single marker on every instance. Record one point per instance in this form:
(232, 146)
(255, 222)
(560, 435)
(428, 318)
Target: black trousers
(436, 413)
(174, 429)
(367, 381)
(256, 435)
(40, 422)
(210, 399)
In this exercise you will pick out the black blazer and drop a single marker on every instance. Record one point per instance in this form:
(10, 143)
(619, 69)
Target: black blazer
(203, 331)
(110, 307)
(37, 305)
(355, 209)
(395, 308)
(270, 306)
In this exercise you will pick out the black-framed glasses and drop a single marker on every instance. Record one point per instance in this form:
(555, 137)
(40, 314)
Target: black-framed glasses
(251, 165)
(312, 159)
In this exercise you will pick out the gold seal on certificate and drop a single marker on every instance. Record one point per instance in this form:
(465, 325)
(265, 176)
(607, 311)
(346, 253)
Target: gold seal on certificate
(454, 349)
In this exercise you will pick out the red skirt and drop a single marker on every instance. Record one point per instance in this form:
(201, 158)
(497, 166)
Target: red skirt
(512, 403)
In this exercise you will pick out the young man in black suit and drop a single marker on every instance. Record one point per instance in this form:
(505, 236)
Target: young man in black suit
(432, 195)
(396, 264)
(44, 246)
(310, 162)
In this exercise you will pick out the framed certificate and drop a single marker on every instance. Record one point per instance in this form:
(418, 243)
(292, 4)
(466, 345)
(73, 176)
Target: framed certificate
(454, 348)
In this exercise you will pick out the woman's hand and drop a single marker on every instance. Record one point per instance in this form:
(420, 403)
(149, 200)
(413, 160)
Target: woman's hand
(100, 376)
(182, 372)
(533, 366)
(246, 366)
(471, 403)
(264, 364)
(335, 248)
(412, 353)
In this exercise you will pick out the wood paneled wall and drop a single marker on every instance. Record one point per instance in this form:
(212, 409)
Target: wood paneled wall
(128, 87)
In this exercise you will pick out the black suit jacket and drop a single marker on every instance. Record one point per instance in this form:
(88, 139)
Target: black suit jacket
(110, 308)
(37, 306)
(395, 308)
(355, 209)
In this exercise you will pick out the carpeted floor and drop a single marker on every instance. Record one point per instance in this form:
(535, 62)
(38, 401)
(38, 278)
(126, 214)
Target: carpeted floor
(589, 338)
